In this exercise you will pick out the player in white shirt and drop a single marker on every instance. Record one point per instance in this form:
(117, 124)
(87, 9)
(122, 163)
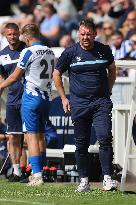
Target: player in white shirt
(37, 61)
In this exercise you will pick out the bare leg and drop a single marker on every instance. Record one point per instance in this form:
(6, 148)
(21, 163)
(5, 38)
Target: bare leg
(23, 159)
(15, 150)
(33, 144)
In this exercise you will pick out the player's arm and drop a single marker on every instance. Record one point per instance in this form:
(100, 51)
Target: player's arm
(20, 69)
(57, 77)
(1, 78)
(3, 73)
(12, 78)
(111, 76)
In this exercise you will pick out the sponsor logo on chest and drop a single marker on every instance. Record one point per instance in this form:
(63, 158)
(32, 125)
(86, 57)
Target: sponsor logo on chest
(6, 60)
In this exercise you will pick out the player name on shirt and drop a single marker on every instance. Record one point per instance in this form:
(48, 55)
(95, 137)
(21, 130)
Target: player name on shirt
(41, 52)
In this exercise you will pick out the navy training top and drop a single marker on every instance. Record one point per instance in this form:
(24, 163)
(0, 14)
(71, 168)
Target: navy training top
(87, 71)
(8, 63)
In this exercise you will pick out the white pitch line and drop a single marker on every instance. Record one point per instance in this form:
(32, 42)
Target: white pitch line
(25, 202)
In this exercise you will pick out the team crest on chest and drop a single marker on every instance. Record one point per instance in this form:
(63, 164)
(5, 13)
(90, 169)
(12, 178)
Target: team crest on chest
(78, 59)
(100, 54)
(5, 57)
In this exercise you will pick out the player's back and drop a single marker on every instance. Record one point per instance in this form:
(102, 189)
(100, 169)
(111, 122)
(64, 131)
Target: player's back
(38, 61)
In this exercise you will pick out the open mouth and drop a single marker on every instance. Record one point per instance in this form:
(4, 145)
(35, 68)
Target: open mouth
(86, 41)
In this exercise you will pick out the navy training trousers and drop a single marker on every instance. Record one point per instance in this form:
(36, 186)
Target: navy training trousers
(98, 113)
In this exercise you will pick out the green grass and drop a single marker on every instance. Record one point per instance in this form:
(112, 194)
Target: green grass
(59, 194)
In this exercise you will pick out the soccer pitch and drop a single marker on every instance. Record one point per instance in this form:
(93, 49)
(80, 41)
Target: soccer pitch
(60, 194)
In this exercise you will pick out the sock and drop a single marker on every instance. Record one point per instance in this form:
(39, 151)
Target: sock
(43, 156)
(36, 164)
(107, 177)
(84, 179)
(16, 169)
(37, 175)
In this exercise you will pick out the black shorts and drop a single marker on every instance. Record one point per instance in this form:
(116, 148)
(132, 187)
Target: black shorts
(13, 119)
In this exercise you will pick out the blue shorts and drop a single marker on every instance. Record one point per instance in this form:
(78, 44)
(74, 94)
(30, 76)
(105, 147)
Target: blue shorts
(35, 112)
(13, 119)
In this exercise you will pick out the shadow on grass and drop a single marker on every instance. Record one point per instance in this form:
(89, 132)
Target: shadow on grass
(129, 192)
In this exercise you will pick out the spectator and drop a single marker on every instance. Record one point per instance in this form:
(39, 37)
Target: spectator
(124, 29)
(51, 26)
(66, 41)
(89, 5)
(101, 13)
(68, 8)
(133, 43)
(132, 56)
(120, 9)
(38, 14)
(27, 6)
(107, 31)
(3, 40)
(120, 49)
(131, 18)
(78, 4)
(68, 14)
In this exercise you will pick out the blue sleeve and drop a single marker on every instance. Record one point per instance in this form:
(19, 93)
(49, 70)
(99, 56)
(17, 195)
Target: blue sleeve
(55, 21)
(64, 61)
(24, 59)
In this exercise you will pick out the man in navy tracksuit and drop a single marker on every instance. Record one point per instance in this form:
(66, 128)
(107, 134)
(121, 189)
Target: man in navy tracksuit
(92, 73)
(8, 60)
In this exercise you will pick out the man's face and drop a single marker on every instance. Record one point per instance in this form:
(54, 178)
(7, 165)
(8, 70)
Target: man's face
(132, 20)
(116, 40)
(47, 12)
(108, 29)
(12, 36)
(86, 37)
